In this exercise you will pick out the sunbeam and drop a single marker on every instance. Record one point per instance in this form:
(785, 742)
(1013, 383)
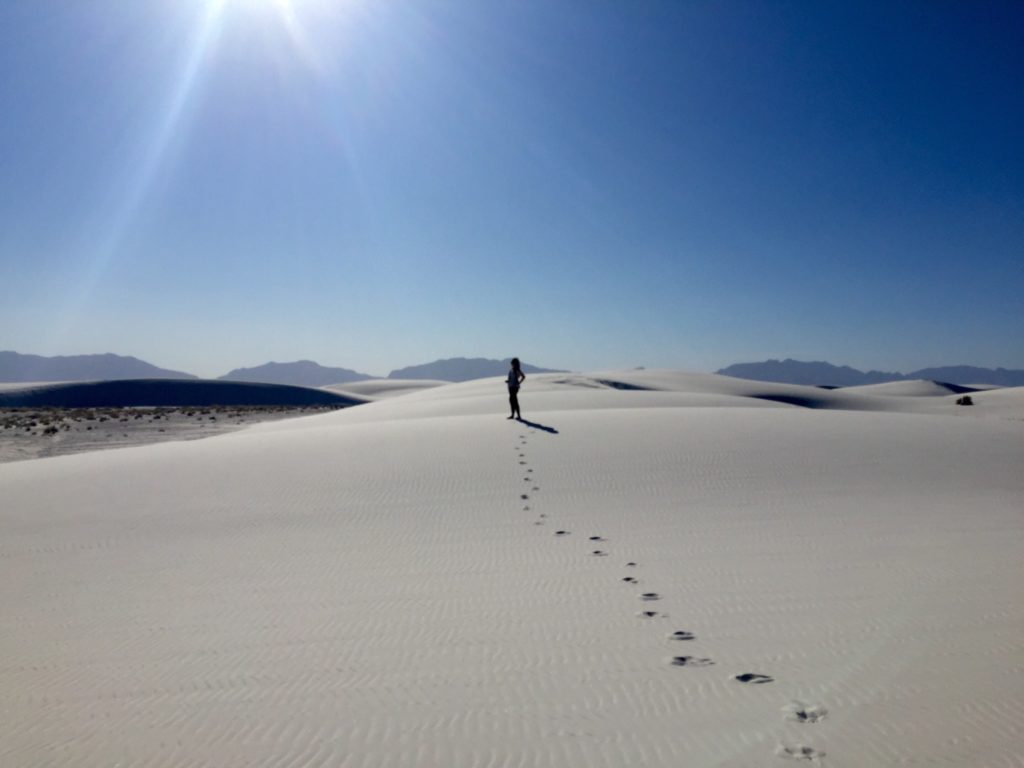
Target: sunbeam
(300, 41)
(149, 161)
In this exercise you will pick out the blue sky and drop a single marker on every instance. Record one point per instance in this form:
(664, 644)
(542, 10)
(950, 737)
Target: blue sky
(209, 184)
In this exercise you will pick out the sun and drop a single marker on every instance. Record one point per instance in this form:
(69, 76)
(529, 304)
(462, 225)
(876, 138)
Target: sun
(296, 20)
(283, 7)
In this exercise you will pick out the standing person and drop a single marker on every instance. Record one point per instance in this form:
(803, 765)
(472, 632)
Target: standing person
(515, 378)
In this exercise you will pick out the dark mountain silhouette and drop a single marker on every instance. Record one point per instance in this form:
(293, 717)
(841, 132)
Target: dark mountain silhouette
(969, 374)
(302, 373)
(825, 374)
(18, 367)
(463, 369)
(814, 374)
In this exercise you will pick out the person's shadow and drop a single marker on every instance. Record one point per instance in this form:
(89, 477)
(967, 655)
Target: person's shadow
(542, 427)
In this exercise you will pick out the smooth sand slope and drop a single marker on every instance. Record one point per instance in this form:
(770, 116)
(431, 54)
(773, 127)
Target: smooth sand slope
(379, 389)
(657, 569)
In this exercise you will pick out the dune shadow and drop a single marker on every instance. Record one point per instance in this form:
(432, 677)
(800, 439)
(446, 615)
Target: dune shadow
(624, 385)
(542, 427)
(802, 402)
(127, 393)
(957, 389)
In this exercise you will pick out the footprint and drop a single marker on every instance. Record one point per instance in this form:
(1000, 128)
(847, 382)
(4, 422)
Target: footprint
(536, 488)
(597, 538)
(631, 565)
(804, 713)
(524, 497)
(538, 522)
(798, 752)
(529, 470)
(753, 677)
(526, 508)
(561, 533)
(542, 514)
(650, 596)
(647, 614)
(523, 463)
(599, 553)
(681, 634)
(690, 661)
(629, 580)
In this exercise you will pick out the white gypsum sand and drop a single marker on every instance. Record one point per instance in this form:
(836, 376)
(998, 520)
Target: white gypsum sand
(371, 588)
(378, 389)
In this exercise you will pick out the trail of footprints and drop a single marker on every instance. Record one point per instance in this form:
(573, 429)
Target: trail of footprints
(796, 711)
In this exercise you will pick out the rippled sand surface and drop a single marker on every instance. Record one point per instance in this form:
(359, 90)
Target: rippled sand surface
(655, 569)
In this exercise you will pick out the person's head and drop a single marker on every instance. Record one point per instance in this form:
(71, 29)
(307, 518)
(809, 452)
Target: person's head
(515, 363)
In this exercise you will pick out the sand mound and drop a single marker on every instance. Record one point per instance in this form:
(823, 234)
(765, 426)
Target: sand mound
(166, 392)
(911, 388)
(377, 389)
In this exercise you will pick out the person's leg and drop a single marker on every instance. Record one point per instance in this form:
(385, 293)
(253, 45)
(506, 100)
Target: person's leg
(515, 403)
(512, 402)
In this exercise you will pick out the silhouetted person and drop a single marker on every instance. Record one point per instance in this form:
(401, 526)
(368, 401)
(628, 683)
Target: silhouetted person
(515, 378)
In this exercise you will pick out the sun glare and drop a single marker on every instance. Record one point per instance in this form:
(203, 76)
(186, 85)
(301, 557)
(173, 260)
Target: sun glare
(284, 7)
(296, 18)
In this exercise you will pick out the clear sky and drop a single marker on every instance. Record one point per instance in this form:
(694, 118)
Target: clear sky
(208, 184)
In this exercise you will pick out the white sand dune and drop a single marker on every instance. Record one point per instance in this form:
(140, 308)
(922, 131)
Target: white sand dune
(387, 585)
(377, 389)
(1006, 403)
(910, 388)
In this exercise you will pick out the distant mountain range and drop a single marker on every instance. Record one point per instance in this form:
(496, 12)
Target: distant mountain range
(18, 367)
(825, 374)
(463, 369)
(303, 373)
(15, 367)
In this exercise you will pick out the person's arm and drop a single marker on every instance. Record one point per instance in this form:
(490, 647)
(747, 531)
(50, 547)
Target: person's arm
(522, 377)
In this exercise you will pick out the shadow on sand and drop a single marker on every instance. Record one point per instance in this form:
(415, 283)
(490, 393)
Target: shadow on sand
(535, 425)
